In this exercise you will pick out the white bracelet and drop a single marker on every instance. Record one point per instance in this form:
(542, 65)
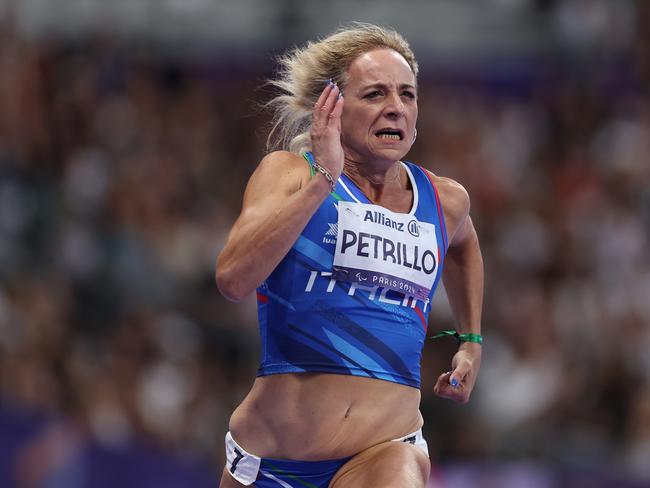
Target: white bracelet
(326, 174)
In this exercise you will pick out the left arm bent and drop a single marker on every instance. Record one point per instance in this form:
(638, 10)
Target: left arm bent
(463, 279)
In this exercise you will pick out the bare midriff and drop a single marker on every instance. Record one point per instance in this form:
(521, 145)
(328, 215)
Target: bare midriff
(317, 416)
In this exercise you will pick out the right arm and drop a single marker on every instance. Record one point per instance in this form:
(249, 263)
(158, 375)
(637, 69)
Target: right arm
(278, 202)
(276, 208)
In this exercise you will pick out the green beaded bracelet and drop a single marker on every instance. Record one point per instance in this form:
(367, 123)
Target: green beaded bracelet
(477, 338)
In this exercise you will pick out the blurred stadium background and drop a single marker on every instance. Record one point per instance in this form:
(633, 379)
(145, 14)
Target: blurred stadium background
(127, 131)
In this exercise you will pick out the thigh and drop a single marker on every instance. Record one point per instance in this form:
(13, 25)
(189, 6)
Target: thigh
(227, 481)
(387, 465)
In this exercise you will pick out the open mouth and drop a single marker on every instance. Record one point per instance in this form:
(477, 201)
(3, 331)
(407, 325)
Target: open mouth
(389, 133)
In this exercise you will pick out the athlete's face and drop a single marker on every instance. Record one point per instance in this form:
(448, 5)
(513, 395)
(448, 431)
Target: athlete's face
(380, 110)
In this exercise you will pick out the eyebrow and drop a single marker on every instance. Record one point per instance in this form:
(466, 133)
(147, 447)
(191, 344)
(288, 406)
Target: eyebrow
(383, 85)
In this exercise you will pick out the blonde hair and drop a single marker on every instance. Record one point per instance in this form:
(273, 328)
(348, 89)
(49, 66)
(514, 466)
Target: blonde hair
(303, 72)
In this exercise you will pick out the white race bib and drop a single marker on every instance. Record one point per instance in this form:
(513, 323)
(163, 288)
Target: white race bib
(378, 247)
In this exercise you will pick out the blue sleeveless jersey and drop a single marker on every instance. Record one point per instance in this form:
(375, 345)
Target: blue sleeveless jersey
(310, 322)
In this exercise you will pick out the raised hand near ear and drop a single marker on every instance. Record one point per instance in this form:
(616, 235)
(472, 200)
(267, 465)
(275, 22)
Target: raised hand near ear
(326, 130)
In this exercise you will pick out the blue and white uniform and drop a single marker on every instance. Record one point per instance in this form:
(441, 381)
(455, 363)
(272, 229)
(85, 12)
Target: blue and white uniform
(351, 296)
(313, 321)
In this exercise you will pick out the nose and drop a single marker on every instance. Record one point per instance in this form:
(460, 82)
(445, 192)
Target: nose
(394, 105)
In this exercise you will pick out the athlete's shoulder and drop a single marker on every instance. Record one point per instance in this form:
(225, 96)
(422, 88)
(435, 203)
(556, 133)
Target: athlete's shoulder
(283, 167)
(283, 160)
(450, 191)
(454, 200)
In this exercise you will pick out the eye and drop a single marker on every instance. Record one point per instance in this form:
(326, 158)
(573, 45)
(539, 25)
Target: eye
(372, 94)
(408, 94)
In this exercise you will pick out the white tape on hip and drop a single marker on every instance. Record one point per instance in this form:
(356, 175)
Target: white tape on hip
(239, 463)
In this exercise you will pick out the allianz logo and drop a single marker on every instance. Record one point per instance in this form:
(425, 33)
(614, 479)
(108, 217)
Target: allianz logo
(379, 218)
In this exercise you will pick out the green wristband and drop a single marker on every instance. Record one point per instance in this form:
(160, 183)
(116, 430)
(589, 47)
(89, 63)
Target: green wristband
(477, 338)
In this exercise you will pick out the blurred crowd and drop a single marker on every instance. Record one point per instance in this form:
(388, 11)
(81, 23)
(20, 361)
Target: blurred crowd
(121, 172)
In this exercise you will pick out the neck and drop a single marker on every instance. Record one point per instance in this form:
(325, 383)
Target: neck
(364, 175)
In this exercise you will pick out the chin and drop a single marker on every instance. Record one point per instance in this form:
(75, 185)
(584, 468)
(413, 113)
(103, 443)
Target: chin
(393, 153)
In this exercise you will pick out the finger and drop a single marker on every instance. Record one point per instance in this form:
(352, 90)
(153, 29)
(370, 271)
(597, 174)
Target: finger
(335, 115)
(459, 374)
(444, 377)
(324, 94)
(444, 390)
(443, 381)
(455, 396)
(330, 101)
